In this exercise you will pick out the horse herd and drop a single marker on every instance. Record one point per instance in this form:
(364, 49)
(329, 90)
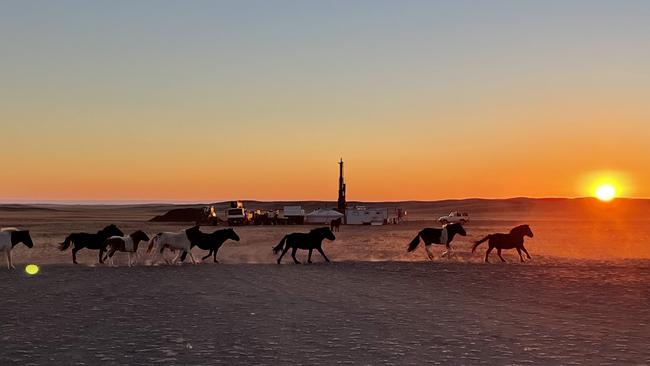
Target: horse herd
(111, 239)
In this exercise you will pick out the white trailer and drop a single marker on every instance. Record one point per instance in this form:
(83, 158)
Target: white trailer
(362, 215)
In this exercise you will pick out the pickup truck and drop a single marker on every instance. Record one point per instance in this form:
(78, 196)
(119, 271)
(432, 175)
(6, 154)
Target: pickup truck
(454, 217)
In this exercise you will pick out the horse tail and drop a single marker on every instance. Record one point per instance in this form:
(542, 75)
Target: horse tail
(280, 245)
(414, 243)
(476, 244)
(153, 241)
(66, 243)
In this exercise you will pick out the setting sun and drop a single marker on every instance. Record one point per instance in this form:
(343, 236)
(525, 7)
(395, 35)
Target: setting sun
(606, 192)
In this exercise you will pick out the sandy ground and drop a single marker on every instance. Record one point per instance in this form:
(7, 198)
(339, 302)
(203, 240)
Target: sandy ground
(578, 302)
(344, 313)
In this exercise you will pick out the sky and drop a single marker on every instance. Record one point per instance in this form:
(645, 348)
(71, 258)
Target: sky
(424, 100)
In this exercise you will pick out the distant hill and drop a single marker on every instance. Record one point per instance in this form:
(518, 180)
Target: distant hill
(180, 215)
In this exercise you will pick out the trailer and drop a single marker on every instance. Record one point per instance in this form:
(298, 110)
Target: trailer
(293, 215)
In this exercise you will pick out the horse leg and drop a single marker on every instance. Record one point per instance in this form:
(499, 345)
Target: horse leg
(293, 255)
(74, 254)
(309, 257)
(286, 248)
(214, 258)
(130, 259)
(449, 252)
(320, 250)
(427, 247)
(194, 261)
(207, 256)
(499, 254)
(177, 257)
(101, 254)
(11, 262)
(520, 256)
(487, 253)
(525, 251)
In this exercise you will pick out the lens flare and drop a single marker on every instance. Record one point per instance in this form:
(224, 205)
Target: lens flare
(31, 269)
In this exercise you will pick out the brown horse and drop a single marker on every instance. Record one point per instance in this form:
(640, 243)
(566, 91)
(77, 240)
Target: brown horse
(127, 244)
(335, 225)
(512, 240)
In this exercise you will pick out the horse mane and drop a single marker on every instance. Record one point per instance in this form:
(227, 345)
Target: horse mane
(517, 228)
(319, 229)
(107, 228)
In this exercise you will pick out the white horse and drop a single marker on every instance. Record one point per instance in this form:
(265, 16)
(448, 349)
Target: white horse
(9, 238)
(174, 241)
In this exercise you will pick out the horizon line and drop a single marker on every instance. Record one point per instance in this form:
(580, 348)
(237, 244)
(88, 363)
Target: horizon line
(119, 202)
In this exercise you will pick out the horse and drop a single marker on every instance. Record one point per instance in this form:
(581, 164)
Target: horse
(513, 240)
(174, 240)
(443, 236)
(90, 241)
(9, 238)
(312, 240)
(335, 225)
(211, 242)
(127, 244)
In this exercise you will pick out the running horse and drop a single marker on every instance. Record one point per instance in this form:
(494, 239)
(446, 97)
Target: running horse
(90, 241)
(308, 241)
(512, 240)
(127, 244)
(443, 236)
(9, 238)
(174, 241)
(211, 242)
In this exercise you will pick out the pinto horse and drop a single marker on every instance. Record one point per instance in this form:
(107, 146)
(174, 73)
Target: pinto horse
(512, 240)
(127, 244)
(335, 225)
(211, 242)
(9, 238)
(90, 241)
(174, 241)
(312, 240)
(442, 236)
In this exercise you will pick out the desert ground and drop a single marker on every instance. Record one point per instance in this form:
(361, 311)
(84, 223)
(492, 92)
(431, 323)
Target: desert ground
(583, 299)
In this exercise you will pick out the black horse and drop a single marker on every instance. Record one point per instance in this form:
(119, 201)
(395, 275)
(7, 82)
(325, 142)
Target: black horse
(312, 240)
(442, 236)
(211, 242)
(90, 241)
(335, 225)
(513, 240)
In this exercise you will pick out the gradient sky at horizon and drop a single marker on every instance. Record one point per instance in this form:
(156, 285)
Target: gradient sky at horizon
(209, 100)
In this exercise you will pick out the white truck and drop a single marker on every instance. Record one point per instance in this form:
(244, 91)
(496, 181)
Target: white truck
(454, 217)
(237, 215)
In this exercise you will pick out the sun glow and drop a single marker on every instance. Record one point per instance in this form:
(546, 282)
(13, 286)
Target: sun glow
(605, 192)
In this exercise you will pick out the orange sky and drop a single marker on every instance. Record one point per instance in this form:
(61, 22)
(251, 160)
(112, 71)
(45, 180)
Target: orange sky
(197, 103)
